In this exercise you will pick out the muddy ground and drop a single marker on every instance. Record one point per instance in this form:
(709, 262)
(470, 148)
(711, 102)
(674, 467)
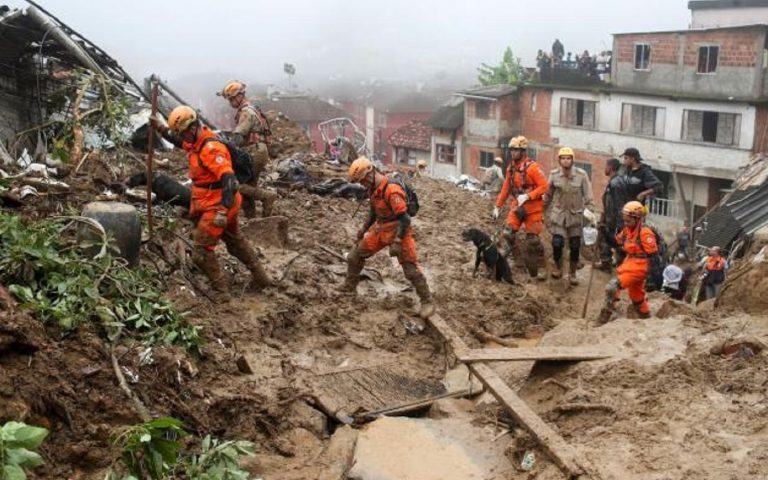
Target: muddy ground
(669, 408)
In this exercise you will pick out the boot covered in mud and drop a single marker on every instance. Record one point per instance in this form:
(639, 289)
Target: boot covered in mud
(634, 311)
(534, 257)
(572, 268)
(355, 264)
(207, 262)
(419, 282)
(605, 315)
(239, 248)
(248, 206)
(267, 199)
(557, 272)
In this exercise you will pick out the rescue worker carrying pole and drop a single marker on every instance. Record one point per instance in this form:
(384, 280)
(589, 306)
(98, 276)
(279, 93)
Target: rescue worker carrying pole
(388, 225)
(568, 199)
(638, 243)
(215, 201)
(525, 184)
(252, 133)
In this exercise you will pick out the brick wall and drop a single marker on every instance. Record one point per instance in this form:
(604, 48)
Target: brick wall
(663, 47)
(739, 48)
(535, 122)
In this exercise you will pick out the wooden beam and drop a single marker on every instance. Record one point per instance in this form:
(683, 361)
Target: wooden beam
(563, 354)
(564, 456)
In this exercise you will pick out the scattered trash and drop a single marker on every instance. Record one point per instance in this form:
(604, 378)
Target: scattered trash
(590, 235)
(292, 170)
(744, 347)
(145, 357)
(26, 191)
(139, 194)
(529, 460)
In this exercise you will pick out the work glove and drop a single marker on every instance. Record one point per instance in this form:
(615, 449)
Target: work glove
(396, 249)
(220, 220)
(495, 213)
(521, 199)
(229, 187)
(591, 217)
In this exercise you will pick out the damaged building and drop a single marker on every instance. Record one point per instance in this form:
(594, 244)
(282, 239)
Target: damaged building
(51, 76)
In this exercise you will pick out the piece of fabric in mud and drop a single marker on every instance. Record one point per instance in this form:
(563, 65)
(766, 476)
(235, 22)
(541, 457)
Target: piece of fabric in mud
(339, 188)
(294, 171)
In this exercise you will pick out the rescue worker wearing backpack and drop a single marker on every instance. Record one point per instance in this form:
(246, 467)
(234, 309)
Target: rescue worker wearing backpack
(568, 201)
(639, 244)
(388, 225)
(526, 184)
(252, 133)
(215, 201)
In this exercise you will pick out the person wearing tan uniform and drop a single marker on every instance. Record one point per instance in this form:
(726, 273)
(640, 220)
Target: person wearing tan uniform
(568, 201)
(252, 133)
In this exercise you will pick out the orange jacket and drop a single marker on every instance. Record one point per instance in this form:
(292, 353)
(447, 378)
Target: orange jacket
(638, 243)
(535, 185)
(388, 201)
(208, 162)
(715, 263)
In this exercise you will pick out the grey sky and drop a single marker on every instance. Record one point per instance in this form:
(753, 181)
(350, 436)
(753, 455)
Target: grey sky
(395, 38)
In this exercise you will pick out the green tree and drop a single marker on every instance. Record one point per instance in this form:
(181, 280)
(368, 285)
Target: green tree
(509, 71)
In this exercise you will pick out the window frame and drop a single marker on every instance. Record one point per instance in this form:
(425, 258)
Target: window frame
(486, 104)
(736, 132)
(645, 48)
(709, 48)
(587, 167)
(439, 147)
(564, 113)
(487, 154)
(627, 124)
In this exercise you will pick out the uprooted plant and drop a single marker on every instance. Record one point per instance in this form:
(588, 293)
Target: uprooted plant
(153, 450)
(59, 278)
(18, 442)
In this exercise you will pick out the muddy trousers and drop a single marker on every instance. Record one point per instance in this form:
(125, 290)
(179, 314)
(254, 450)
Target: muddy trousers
(558, 245)
(251, 191)
(533, 255)
(356, 262)
(205, 259)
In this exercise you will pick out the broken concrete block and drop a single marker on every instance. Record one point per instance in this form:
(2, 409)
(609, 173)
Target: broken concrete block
(304, 416)
(339, 454)
(244, 365)
(268, 232)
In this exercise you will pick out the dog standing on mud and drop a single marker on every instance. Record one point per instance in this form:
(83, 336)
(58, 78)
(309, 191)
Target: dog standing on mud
(488, 253)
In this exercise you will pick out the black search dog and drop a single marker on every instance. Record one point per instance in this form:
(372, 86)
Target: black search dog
(488, 253)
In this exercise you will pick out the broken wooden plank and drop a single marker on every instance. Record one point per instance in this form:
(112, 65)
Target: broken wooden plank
(412, 406)
(562, 354)
(564, 456)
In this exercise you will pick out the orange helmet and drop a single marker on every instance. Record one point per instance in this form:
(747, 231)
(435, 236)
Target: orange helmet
(181, 118)
(634, 209)
(232, 89)
(520, 143)
(359, 169)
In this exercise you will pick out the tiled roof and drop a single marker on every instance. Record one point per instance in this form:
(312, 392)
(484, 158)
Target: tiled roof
(491, 91)
(414, 135)
(303, 109)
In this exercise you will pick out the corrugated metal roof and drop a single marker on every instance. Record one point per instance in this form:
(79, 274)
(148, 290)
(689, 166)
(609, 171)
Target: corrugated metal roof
(448, 118)
(751, 211)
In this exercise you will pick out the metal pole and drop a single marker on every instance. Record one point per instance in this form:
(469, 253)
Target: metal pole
(150, 154)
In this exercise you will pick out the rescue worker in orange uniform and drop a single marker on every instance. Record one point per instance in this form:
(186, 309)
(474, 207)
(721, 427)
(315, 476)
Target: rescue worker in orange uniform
(215, 201)
(638, 243)
(253, 134)
(526, 184)
(388, 225)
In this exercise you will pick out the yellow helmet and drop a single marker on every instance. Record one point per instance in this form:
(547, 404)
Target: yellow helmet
(421, 163)
(359, 169)
(634, 209)
(565, 152)
(520, 143)
(181, 118)
(232, 89)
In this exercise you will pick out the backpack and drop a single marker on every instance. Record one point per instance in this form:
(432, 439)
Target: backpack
(656, 262)
(242, 163)
(410, 194)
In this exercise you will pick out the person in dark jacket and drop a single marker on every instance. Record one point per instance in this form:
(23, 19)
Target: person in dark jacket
(641, 182)
(614, 198)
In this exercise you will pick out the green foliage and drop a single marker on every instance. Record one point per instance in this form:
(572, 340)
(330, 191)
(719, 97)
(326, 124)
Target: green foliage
(509, 71)
(152, 450)
(220, 460)
(18, 443)
(62, 282)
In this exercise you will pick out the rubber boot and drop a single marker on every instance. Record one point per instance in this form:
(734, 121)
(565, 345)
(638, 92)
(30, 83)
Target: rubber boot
(207, 262)
(419, 282)
(267, 200)
(572, 268)
(355, 264)
(557, 272)
(239, 247)
(248, 193)
(605, 315)
(637, 313)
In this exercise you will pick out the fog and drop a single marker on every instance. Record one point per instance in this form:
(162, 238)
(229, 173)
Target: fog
(440, 41)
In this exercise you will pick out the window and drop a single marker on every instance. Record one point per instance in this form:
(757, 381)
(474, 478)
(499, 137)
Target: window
(577, 113)
(642, 120)
(533, 154)
(482, 109)
(486, 159)
(587, 167)
(708, 58)
(405, 156)
(642, 56)
(446, 153)
(711, 127)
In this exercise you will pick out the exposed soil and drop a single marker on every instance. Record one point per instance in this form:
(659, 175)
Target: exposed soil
(673, 410)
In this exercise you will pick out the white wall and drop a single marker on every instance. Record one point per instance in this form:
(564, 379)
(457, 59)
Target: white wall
(729, 17)
(668, 152)
(443, 170)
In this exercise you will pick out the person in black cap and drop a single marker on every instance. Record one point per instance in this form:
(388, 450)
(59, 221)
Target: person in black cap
(640, 180)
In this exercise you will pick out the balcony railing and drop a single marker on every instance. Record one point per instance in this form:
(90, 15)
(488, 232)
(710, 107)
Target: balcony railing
(664, 207)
